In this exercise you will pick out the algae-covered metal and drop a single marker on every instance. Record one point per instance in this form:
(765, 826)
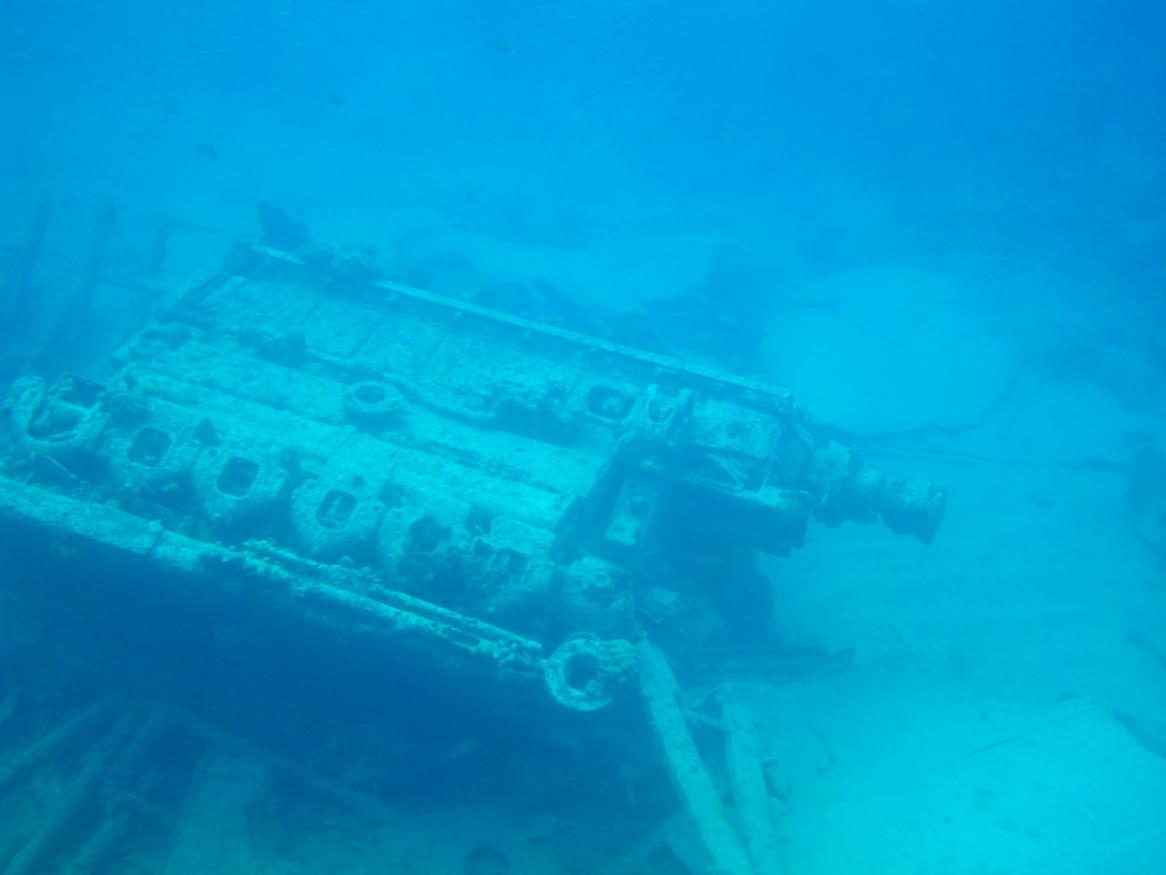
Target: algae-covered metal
(529, 520)
(416, 467)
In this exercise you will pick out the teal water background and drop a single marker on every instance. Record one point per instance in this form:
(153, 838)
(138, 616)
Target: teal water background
(942, 224)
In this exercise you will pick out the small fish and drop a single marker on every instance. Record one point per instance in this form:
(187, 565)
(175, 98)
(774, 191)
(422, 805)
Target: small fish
(65, 552)
(1149, 734)
(207, 151)
(336, 99)
(1137, 639)
(503, 48)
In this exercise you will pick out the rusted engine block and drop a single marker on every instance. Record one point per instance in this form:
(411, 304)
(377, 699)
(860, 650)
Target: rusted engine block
(490, 492)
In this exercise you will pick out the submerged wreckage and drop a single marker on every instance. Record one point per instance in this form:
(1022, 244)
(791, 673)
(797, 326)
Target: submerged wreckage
(532, 521)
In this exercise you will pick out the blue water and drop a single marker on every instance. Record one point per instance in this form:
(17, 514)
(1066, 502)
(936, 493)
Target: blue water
(940, 224)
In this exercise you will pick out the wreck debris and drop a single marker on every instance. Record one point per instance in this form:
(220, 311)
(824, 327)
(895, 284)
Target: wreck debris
(77, 322)
(704, 812)
(516, 450)
(119, 789)
(85, 788)
(745, 765)
(495, 505)
(14, 295)
(64, 736)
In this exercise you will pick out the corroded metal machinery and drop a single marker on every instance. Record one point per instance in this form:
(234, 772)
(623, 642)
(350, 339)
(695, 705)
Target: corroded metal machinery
(505, 504)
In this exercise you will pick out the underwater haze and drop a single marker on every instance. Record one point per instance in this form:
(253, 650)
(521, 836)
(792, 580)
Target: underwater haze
(547, 438)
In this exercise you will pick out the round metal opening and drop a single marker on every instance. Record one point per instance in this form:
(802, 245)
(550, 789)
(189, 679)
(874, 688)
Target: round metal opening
(369, 393)
(580, 670)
